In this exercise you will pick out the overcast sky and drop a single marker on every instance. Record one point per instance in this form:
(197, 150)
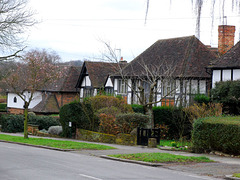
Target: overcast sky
(73, 28)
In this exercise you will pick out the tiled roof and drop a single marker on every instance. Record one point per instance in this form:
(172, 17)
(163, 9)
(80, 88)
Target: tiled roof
(68, 82)
(230, 59)
(185, 57)
(98, 72)
(48, 104)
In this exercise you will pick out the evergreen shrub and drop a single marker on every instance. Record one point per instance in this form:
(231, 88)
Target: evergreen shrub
(43, 122)
(227, 93)
(217, 134)
(127, 122)
(201, 98)
(12, 123)
(55, 130)
(77, 114)
(137, 108)
(175, 120)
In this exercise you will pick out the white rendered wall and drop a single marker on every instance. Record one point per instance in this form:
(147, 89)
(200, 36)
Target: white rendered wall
(226, 75)
(202, 86)
(194, 86)
(236, 74)
(86, 81)
(115, 84)
(109, 83)
(216, 77)
(37, 98)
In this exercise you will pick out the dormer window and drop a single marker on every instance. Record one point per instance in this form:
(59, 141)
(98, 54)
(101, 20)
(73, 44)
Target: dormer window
(15, 99)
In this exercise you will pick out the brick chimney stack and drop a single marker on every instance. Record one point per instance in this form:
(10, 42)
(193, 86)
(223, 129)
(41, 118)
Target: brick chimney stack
(225, 38)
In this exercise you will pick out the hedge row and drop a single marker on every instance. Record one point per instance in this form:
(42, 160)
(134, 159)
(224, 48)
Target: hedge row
(217, 134)
(15, 123)
(173, 117)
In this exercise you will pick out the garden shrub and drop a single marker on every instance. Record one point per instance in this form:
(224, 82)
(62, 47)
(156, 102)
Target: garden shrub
(103, 101)
(197, 111)
(227, 93)
(201, 98)
(175, 119)
(108, 110)
(127, 122)
(43, 122)
(137, 108)
(217, 134)
(77, 113)
(55, 130)
(108, 124)
(12, 123)
(3, 106)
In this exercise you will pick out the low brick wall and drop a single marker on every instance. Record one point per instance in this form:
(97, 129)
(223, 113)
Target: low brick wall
(124, 139)
(32, 129)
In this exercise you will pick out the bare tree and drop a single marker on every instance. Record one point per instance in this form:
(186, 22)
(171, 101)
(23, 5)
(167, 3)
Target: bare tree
(15, 18)
(34, 72)
(199, 5)
(145, 80)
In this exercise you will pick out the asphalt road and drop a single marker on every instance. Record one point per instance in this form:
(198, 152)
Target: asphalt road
(19, 162)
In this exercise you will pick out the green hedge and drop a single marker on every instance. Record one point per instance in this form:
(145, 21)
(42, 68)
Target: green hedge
(137, 108)
(217, 134)
(173, 117)
(12, 123)
(76, 113)
(43, 122)
(170, 116)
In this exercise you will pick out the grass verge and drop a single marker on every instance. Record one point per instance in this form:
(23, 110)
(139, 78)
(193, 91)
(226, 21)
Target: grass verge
(162, 158)
(171, 142)
(236, 175)
(55, 143)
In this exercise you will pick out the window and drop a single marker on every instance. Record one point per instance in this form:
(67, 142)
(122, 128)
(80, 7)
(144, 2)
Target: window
(122, 86)
(87, 92)
(15, 99)
(168, 88)
(109, 90)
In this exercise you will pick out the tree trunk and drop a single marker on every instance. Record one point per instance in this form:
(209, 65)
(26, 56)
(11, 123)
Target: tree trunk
(26, 104)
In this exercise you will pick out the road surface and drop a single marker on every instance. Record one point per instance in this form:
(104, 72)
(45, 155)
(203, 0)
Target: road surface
(18, 162)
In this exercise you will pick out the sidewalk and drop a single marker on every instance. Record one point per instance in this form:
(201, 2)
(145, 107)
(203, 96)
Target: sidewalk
(221, 167)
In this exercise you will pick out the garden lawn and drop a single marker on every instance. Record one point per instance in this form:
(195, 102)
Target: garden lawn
(162, 158)
(236, 175)
(55, 143)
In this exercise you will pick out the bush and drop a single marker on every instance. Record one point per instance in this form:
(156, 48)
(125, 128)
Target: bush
(108, 124)
(201, 98)
(12, 123)
(217, 134)
(55, 130)
(43, 122)
(3, 106)
(127, 122)
(137, 108)
(197, 111)
(77, 113)
(102, 101)
(227, 93)
(175, 119)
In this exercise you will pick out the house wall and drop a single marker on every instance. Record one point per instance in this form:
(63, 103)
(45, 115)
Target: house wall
(109, 83)
(65, 98)
(37, 98)
(183, 94)
(225, 75)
